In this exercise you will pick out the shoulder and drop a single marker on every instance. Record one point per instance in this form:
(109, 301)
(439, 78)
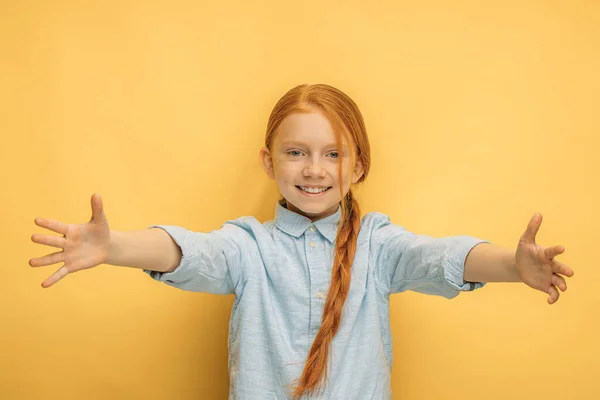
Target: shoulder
(249, 228)
(374, 221)
(242, 226)
(380, 229)
(249, 224)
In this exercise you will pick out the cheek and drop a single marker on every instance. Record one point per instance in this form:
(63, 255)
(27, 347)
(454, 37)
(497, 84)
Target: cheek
(333, 171)
(346, 174)
(285, 171)
(346, 184)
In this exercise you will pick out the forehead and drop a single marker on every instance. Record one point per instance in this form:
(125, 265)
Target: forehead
(312, 128)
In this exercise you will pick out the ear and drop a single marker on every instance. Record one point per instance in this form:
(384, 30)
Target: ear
(358, 171)
(267, 162)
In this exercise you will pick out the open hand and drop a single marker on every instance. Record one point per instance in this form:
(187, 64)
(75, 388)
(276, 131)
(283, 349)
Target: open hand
(83, 246)
(536, 264)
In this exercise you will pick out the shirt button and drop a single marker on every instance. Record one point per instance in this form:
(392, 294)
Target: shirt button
(320, 295)
(312, 244)
(312, 228)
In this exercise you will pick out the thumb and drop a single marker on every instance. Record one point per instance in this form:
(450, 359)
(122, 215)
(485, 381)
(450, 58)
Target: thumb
(532, 228)
(97, 209)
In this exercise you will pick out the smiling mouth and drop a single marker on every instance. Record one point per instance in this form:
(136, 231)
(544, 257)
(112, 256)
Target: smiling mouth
(308, 190)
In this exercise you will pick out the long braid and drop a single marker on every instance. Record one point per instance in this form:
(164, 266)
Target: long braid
(315, 369)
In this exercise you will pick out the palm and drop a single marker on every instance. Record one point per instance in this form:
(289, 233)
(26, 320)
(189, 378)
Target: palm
(86, 246)
(537, 265)
(539, 275)
(83, 245)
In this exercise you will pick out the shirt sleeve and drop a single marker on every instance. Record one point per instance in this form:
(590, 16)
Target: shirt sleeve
(424, 264)
(211, 262)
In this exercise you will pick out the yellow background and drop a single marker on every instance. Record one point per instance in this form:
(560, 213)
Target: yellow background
(479, 113)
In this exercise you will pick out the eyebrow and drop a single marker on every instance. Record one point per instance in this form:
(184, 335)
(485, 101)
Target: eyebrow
(300, 144)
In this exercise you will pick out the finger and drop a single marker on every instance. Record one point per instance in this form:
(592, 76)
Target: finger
(532, 228)
(559, 282)
(53, 241)
(47, 260)
(552, 252)
(55, 277)
(563, 269)
(53, 225)
(554, 295)
(97, 208)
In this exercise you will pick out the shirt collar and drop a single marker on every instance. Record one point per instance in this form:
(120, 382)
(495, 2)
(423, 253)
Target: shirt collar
(295, 224)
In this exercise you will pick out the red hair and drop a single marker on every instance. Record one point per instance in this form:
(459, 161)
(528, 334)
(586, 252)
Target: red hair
(347, 122)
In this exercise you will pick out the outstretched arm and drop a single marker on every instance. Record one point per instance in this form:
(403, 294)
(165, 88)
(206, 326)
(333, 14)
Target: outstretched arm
(87, 245)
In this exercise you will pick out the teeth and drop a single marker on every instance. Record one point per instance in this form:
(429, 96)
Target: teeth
(313, 190)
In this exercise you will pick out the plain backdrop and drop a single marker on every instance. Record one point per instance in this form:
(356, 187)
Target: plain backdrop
(480, 114)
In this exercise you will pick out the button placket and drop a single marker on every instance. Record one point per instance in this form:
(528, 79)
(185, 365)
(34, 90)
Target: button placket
(316, 261)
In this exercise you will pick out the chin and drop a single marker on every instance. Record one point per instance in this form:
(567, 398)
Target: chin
(313, 210)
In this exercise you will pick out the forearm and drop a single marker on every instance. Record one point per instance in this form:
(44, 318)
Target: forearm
(151, 249)
(489, 263)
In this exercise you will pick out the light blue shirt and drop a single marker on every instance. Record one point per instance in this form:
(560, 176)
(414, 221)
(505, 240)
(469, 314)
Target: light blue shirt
(280, 271)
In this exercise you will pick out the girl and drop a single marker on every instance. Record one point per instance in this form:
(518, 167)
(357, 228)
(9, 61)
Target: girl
(312, 286)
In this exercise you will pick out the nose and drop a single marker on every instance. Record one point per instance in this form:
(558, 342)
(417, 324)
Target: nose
(314, 169)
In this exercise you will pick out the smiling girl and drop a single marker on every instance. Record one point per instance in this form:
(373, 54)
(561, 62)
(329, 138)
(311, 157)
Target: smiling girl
(312, 286)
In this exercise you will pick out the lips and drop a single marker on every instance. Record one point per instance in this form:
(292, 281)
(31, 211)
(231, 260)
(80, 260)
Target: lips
(313, 190)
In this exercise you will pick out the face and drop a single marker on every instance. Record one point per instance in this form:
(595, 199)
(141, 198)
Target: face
(304, 162)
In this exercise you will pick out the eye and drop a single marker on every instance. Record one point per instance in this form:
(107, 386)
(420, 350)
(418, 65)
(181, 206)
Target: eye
(295, 153)
(334, 154)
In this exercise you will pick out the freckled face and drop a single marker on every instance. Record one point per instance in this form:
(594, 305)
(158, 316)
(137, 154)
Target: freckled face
(304, 162)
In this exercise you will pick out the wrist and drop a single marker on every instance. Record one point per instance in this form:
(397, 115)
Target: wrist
(113, 248)
(513, 268)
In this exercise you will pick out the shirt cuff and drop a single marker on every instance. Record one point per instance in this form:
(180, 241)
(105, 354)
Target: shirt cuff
(183, 272)
(454, 264)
